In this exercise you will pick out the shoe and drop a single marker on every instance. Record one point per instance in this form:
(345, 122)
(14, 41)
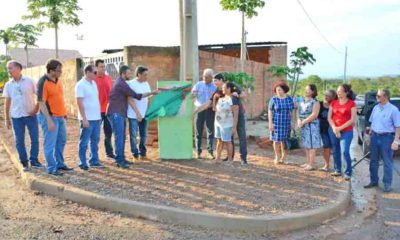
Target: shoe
(143, 157)
(25, 167)
(65, 168)
(324, 169)
(387, 189)
(309, 168)
(225, 159)
(36, 164)
(57, 174)
(211, 156)
(371, 185)
(97, 165)
(112, 156)
(347, 177)
(136, 157)
(304, 165)
(198, 156)
(84, 168)
(229, 163)
(123, 165)
(128, 163)
(244, 163)
(336, 174)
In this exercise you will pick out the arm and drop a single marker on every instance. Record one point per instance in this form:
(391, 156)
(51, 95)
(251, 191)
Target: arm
(7, 113)
(235, 110)
(154, 92)
(132, 103)
(202, 107)
(351, 121)
(43, 109)
(81, 109)
(313, 116)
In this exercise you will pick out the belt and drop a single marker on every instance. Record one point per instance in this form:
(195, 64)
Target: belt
(383, 134)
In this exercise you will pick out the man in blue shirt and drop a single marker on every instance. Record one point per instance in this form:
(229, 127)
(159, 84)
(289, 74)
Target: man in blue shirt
(385, 126)
(202, 92)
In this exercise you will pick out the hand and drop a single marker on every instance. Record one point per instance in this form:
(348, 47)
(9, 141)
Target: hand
(299, 123)
(214, 109)
(235, 94)
(50, 125)
(8, 123)
(395, 146)
(155, 92)
(338, 134)
(139, 117)
(234, 131)
(271, 127)
(85, 123)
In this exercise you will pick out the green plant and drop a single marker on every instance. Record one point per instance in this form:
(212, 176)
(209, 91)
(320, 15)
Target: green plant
(26, 35)
(8, 36)
(52, 13)
(242, 79)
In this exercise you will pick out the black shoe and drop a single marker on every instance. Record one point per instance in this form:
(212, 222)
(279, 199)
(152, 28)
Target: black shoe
(136, 157)
(84, 168)
(57, 174)
(111, 156)
(122, 165)
(36, 164)
(65, 168)
(371, 185)
(25, 167)
(97, 165)
(211, 156)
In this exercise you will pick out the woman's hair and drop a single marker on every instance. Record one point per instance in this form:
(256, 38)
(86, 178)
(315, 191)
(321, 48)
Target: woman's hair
(314, 90)
(348, 91)
(231, 86)
(332, 92)
(282, 85)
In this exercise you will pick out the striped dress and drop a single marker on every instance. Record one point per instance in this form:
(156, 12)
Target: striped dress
(282, 113)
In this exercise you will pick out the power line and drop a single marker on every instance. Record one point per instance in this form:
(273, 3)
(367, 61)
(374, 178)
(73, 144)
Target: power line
(316, 27)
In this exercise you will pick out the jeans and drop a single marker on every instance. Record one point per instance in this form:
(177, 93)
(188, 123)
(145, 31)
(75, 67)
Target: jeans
(19, 125)
(134, 126)
(107, 135)
(339, 147)
(380, 147)
(207, 116)
(117, 122)
(241, 132)
(91, 133)
(54, 142)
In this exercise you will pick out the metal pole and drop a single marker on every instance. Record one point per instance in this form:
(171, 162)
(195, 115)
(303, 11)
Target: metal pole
(345, 66)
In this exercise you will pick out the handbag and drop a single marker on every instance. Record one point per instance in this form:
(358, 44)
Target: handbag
(293, 141)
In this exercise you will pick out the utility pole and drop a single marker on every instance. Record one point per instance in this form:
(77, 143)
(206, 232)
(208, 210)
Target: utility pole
(182, 46)
(345, 66)
(190, 49)
(243, 46)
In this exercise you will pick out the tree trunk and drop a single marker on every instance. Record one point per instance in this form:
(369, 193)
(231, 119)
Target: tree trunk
(27, 56)
(6, 50)
(56, 35)
(243, 46)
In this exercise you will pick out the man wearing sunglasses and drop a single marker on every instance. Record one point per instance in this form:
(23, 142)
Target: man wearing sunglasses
(385, 126)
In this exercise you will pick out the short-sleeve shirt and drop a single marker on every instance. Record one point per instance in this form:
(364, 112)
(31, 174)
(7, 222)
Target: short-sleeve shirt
(235, 100)
(104, 85)
(341, 113)
(323, 118)
(51, 93)
(385, 119)
(22, 95)
(203, 92)
(142, 104)
(224, 114)
(88, 92)
(119, 94)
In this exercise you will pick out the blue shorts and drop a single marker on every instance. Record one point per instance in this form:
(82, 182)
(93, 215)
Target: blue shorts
(326, 141)
(225, 134)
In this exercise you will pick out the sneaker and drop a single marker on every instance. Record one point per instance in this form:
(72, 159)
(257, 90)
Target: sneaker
(65, 168)
(123, 165)
(57, 174)
(97, 165)
(371, 185)
(112, 156)
(128, 163)
(309, 168)
(198, 156)
(387, 189)
(36, 164)
(347, 177)
(84, 168)
(244, 163)
(211, 156)
(336, 174)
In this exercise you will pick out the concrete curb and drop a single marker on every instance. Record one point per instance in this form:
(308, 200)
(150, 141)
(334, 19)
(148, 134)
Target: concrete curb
(286, 222)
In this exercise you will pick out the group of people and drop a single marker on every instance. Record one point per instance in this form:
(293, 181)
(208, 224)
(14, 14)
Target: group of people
(99, 101)
(329, 124)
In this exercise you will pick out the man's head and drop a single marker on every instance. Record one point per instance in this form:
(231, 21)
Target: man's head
(141, 73)
(125, 73)
(90, 72)
(208, 75)
(54, 68)
(100, 67)
(14, 69)
(219, 80)
(383, 96)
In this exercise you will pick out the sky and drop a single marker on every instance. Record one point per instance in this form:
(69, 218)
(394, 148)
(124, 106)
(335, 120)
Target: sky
(369, 28)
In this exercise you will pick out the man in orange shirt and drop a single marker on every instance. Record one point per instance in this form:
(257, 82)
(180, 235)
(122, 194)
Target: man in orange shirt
(52, 117)
(104, 84)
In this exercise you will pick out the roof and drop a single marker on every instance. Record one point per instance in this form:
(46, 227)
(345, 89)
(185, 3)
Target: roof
(237, 45)
(39, 56)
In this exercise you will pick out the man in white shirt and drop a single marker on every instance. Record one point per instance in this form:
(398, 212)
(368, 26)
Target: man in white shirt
(87, 97)
(136, 116)
(19, 93)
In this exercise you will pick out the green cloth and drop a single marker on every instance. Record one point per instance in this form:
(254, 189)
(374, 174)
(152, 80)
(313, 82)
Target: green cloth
(167, 102)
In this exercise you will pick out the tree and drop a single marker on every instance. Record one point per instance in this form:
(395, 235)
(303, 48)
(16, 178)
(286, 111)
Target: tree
(298, 60)
(247, 8)
(26, 35)
(8, 36)
(52, 13)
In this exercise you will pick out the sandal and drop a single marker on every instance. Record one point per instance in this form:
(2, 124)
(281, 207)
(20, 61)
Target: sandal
(309, 168)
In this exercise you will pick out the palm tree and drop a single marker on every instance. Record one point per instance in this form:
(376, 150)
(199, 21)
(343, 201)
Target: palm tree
(55, 12)
(7, 35)
(27, 35)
